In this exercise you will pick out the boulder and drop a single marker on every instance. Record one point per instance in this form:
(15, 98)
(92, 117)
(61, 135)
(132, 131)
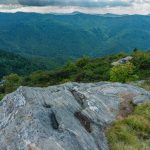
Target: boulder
(70, 116)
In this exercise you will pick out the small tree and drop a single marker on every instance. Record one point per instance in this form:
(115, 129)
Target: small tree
(123, 73)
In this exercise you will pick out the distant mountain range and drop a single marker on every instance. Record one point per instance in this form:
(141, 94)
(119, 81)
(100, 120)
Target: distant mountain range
(72, 36)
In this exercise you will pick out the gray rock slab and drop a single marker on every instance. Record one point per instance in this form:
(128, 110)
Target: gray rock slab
(71, 116)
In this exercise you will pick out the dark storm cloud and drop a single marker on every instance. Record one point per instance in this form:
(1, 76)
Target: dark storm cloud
(82, 3)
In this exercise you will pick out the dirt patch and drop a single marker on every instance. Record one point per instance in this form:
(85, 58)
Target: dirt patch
(33, 147)
(126, 105)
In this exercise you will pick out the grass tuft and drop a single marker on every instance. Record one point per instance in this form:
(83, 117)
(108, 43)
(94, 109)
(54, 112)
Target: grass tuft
(133, 132)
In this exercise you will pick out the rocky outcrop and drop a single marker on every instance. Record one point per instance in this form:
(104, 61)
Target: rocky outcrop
(122, 61)
(71, 116)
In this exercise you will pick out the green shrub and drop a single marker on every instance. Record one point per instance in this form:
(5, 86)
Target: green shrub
(12, 82)
(146, 85)
(123, 73)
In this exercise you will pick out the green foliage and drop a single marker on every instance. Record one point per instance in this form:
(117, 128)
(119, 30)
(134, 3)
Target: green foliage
(142, 62)
(23, 65)
(38, 78)
(133, 132)
(12, 82)
(123, 73)
(88, 70)
(82, 62)
(143, 110)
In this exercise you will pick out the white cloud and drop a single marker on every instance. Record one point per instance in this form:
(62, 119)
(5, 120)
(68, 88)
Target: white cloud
(86, 6)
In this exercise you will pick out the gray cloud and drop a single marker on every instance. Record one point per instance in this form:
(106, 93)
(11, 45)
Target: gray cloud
(81, 3)
(85, 6)
(8, 1)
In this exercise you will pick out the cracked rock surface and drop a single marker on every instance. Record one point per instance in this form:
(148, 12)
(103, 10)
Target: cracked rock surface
(71, 116)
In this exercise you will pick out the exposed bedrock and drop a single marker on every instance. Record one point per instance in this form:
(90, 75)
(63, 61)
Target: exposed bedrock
(71, 116)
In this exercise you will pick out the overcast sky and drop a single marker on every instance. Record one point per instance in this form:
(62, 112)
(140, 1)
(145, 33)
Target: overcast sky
(86, 6)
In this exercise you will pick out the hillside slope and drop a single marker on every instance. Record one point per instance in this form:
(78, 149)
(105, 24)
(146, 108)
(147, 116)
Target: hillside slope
(83, 70)
(74, 35)
(22, 65)
(91, 70)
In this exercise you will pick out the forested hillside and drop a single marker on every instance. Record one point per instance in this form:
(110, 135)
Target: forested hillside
(23, 65)
(91, 70)
(71, 36)
(83, 70)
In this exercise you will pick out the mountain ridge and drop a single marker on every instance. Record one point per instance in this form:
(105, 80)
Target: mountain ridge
(72, 36)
